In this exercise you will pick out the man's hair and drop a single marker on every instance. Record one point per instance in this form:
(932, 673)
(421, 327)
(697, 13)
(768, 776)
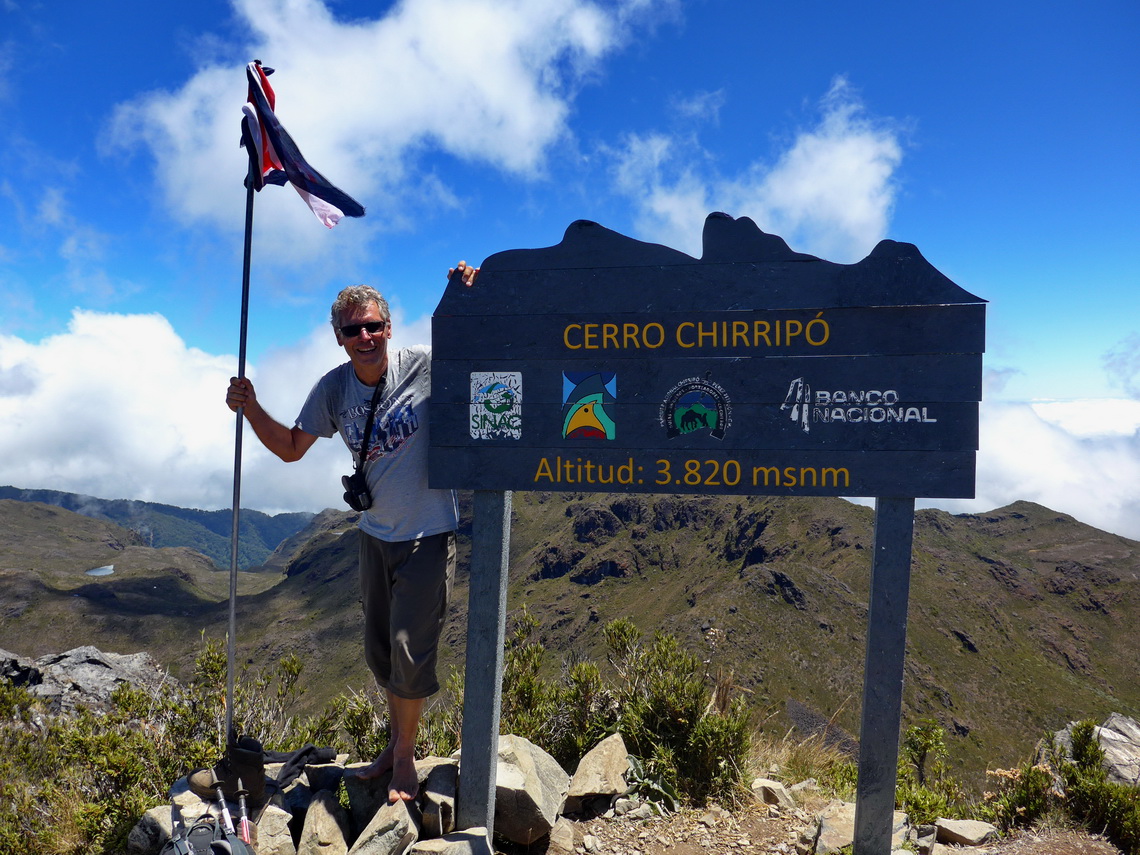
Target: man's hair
(357, 297)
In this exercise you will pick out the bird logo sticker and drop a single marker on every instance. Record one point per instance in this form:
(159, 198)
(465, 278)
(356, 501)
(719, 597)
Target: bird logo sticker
(588, 403)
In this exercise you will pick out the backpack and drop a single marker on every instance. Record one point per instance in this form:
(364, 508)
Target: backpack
(206, 837)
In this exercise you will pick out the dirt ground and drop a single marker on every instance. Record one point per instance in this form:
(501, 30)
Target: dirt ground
(760, 831)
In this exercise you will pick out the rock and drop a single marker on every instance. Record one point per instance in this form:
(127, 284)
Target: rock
(809, 784)
(563, 837)
(530, 788)
(151, 832)
(473, 841)
(325, 776)
(837, 828)
(83, 676)
(326, 827)
(18, 670)
(772, 793)
(621, 806)
(642, 811)
(1119, 738)
(365, 796)
(965, 832)
(156, 826)
(273, 835)
(600, 773)
(438, 798)
(296, 797)
(392, 830)
(925, 836)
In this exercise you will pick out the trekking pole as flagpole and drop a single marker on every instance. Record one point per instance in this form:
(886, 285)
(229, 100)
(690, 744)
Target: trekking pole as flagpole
(273, 159)
(236, 520)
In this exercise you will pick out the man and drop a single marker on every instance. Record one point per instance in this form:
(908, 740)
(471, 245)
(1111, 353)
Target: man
(407, 536)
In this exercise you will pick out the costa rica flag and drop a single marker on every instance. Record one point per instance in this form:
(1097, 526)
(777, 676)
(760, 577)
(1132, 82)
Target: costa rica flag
(275, 159)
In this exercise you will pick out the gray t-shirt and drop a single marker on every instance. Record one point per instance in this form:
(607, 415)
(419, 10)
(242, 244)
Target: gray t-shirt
(403, 508)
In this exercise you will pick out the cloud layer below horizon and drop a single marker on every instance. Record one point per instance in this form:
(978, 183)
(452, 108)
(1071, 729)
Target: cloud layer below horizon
(118, 406)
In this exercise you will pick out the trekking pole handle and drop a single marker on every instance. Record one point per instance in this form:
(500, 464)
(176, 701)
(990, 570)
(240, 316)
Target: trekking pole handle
(227, 820)
(243, 822)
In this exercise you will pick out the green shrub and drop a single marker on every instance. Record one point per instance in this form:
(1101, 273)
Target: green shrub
(79, 783)
(1023, 796)
(1102, 805)
(658, 696)
(1075, 787)
(927, 794)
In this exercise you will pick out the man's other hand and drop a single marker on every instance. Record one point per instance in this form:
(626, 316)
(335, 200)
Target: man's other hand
(466, 274)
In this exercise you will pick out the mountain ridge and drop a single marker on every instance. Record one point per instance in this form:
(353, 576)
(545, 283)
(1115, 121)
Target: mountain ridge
(161, 525)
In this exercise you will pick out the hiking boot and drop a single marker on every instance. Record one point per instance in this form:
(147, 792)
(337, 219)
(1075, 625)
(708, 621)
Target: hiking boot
(244, 761)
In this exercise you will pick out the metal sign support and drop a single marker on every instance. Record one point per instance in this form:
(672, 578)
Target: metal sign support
(483, 681)
(883, 676)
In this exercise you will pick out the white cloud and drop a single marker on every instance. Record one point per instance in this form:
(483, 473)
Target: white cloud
(1092, 418)
(830, 193)
(117, 406)
(1065, 462)
(483, 80)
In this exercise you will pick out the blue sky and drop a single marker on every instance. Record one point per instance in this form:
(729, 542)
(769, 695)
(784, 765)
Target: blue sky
(998, 138)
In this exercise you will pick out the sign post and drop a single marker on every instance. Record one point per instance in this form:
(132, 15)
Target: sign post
(483, 684)
(604, 364)
(883, 675)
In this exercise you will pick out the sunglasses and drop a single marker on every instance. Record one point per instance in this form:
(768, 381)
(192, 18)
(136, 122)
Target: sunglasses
(353, 330)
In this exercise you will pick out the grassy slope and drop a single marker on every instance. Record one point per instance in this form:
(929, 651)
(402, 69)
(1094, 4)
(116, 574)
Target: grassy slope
(1019, 619)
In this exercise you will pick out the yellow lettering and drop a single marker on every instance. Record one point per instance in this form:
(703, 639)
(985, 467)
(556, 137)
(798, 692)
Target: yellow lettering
(544, 471)
(834, 473)
(681, 327)
(660, 335)
(740, 333)
(609, 336)
(625, 472)
(760, 331)
(702, 334)
(766, 470)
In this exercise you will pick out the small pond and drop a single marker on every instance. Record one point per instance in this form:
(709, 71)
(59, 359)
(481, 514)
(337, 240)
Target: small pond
(105, 570)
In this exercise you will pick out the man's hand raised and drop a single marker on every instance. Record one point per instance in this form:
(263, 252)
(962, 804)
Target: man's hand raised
(466, 274)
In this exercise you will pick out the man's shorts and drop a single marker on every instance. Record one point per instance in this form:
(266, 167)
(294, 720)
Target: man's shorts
(405, 587)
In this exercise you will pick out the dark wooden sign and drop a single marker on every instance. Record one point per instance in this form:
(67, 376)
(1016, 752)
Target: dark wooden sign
(607, 364)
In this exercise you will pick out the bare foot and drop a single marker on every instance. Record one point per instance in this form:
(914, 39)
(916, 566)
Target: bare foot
(380, 766)
(405, 783)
